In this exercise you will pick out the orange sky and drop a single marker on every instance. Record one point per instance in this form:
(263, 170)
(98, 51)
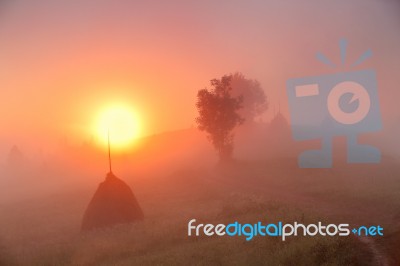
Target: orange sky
(60, 63)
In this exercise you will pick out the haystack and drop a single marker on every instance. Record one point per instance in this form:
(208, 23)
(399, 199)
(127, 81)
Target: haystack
(113, 203)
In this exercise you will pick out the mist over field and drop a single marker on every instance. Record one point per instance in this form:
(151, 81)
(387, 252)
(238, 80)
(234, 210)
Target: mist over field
(64, 65)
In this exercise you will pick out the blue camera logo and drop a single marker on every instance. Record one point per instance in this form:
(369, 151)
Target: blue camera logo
(341, 104)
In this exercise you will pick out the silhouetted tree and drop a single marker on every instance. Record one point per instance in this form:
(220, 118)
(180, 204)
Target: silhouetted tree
(218, 115)
(254, 99)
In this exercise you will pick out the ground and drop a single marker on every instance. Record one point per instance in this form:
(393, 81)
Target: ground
(45, 230)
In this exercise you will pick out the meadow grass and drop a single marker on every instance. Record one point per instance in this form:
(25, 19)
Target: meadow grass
(46, 230)
(163, 240)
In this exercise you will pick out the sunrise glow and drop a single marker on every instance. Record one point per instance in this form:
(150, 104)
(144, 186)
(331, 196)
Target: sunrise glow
(120, 121)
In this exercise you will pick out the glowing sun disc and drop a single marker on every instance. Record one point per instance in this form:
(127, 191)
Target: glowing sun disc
(120, 123)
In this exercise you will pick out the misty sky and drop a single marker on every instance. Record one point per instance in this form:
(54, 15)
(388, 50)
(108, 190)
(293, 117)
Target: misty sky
(60, 61)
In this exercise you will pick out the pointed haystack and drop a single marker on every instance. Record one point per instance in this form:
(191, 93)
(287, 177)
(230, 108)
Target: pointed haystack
(113, 203)
(15, 157)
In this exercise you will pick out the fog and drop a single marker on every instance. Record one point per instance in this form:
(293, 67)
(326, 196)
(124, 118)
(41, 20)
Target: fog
(61, 62)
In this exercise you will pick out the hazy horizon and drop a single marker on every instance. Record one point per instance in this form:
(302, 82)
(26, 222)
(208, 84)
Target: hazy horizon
(59, 64)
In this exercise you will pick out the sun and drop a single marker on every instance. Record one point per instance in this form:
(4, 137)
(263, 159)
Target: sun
(119, 123)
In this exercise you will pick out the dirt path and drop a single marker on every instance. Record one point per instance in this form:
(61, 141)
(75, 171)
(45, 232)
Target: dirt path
(380, 259)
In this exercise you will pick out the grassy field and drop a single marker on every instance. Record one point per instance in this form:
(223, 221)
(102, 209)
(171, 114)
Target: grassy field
(45, 230)
(162, 238)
